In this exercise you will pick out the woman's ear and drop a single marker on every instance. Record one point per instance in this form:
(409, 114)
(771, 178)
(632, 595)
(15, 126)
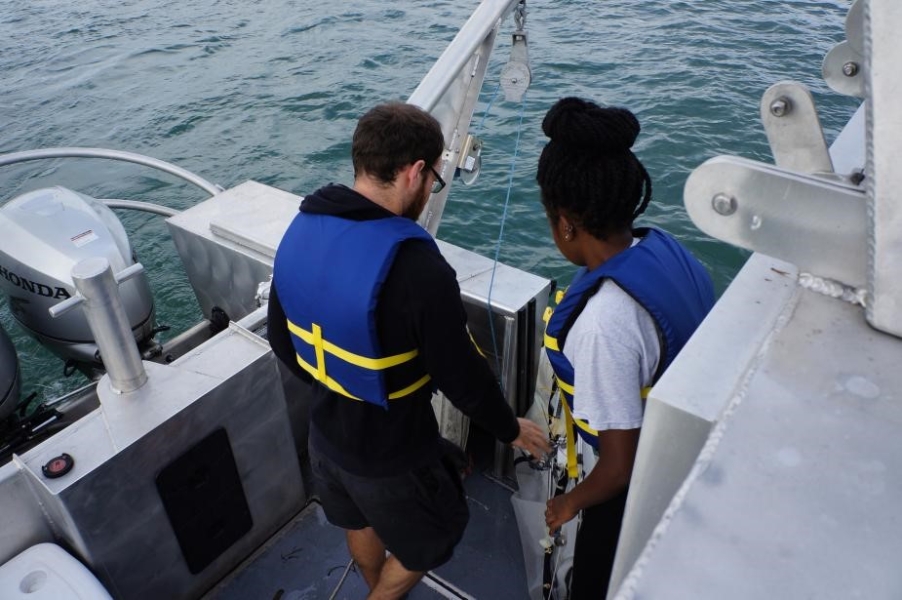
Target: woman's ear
(565, 228)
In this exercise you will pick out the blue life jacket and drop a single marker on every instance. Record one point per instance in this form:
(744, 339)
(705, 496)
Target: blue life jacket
(663, 277)
(328, 273)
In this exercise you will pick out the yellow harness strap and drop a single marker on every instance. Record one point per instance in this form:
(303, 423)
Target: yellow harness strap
(572, 469)
(475, 345)
(547, 314)
(321, 346)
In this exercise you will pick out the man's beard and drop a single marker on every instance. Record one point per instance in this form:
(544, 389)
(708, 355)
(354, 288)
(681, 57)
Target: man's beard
(415, 209)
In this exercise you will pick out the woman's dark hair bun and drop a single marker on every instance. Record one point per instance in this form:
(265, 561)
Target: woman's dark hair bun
(584, 125)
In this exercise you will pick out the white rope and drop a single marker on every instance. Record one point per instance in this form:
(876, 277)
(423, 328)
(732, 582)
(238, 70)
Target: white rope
(834, 289)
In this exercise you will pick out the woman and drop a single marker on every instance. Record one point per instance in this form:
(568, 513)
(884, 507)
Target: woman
(625, 316)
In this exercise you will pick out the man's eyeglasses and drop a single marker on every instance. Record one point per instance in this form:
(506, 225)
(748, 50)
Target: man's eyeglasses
(439, 183)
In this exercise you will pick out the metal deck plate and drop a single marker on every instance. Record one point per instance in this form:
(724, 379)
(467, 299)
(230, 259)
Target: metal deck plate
(308, 558)
(795, 493)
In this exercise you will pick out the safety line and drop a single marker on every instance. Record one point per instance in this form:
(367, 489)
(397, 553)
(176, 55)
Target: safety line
(488, 108)
(510, 185)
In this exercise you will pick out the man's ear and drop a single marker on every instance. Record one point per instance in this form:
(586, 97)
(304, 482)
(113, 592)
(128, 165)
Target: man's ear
(412, 172)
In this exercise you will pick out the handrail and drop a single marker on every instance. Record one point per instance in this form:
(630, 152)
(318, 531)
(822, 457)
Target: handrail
(148, 207)
(445, 70)
(140, 159)
(451, 89)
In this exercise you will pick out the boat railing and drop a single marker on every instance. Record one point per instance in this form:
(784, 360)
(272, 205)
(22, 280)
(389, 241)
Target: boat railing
(120, 155)
(450, 89)
(482, 23)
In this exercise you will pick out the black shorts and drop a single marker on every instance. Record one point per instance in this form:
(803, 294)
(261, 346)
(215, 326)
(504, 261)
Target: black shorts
(420, 516)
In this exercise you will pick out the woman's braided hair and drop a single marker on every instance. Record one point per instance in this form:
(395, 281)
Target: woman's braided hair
(587, 168)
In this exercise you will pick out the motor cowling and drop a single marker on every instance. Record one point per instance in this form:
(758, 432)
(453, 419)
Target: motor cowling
(44, 234)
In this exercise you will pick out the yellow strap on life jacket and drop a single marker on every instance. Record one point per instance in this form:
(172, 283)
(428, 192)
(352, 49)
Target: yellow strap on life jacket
(572, 469)
(319, 351)
(325, 379)
(410, 388)
(549, 310)
(315, 339)
(321, 346)
(337, 387)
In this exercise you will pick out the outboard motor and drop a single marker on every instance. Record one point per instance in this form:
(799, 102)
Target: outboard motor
(9, 376)
(45, 233)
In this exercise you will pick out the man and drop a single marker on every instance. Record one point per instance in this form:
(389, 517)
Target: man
(363, 304)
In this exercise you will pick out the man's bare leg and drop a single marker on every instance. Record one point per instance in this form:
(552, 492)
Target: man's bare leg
(368, 552)
(394, 581)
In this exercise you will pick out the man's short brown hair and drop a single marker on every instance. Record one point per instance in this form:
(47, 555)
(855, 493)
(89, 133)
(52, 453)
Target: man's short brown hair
(392, 135)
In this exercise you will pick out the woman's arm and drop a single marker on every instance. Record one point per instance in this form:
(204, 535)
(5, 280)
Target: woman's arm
(611, 474)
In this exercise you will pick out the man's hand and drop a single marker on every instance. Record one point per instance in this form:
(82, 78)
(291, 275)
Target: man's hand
(532, 439)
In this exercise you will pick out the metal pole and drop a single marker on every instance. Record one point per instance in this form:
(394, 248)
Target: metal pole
(95, 282)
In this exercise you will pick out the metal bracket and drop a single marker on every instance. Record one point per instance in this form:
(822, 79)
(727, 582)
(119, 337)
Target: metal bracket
(844, 66)
(793, 129)
(818, 224)
(516, 74)
(843, 70)
(470, 162)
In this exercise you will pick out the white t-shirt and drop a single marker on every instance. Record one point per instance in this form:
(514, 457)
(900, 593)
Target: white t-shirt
(614, 349)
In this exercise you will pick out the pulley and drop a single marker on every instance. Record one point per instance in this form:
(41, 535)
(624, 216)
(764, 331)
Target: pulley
(516, 75)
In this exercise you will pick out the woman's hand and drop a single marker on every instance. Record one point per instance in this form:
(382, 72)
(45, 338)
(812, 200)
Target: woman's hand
(610, 475)
(558, 511)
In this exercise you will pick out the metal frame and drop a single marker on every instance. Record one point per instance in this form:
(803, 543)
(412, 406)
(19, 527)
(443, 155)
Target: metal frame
(883, 55)
(451, 88)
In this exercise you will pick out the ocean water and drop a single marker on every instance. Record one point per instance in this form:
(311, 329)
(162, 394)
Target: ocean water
(270, 90)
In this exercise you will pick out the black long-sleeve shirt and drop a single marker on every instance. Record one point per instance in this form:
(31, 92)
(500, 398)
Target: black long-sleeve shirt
(419, 307)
